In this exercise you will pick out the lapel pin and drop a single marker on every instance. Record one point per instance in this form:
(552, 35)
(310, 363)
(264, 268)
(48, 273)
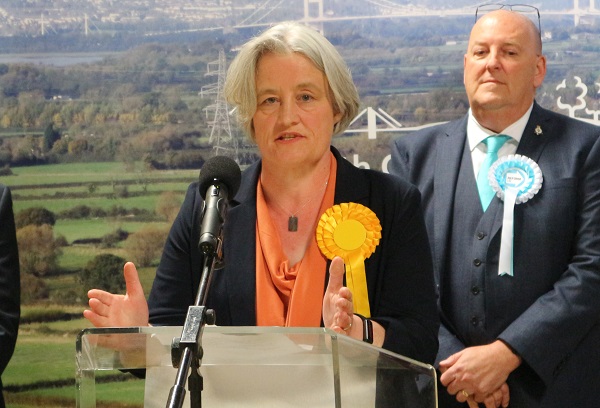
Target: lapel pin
(538, 130)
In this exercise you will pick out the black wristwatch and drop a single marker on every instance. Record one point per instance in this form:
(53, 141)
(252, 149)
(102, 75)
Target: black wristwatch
(367, 329)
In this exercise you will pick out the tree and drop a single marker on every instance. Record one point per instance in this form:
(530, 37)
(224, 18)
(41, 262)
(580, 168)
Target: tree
(168, 205)
(51, 135)
(77, 147)
(38, 250)
(34, 216)
(26, 150)
(32, 288)
(104, 272)
(146, 245)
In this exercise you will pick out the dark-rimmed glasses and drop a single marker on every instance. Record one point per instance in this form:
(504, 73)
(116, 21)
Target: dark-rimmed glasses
(519, 8)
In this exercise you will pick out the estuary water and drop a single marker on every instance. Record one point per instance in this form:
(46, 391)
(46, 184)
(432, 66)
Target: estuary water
(55, 59)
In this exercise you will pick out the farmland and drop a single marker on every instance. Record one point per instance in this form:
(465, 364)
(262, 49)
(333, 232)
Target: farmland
(42, 370)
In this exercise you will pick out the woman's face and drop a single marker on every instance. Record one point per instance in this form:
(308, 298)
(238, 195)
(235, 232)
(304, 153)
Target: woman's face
(294, 118)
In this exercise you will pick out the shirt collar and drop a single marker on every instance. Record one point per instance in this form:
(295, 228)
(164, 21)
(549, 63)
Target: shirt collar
(477, 133)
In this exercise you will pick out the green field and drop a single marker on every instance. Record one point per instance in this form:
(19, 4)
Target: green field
(97, 227)
(50, 174)
(58, 187)
(42, 370)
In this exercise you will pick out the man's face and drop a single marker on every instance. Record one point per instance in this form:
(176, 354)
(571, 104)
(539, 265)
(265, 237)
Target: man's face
(503, 64)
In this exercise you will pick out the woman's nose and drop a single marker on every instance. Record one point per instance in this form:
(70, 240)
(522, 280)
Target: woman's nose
(288, 113)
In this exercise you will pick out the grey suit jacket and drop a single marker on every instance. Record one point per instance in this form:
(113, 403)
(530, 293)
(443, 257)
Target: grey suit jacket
(549, 312)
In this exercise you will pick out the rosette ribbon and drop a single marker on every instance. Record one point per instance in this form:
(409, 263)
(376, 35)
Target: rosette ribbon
(515, 179)
(352, 232)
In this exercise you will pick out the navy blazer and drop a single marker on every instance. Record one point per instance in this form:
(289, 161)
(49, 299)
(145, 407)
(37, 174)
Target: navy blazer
(549, 312)
(399, 273)
(10, 284)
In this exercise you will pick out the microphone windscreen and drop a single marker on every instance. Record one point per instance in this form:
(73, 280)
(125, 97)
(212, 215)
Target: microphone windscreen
(221, 169)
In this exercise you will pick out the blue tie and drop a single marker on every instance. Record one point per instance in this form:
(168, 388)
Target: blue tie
(493, 143)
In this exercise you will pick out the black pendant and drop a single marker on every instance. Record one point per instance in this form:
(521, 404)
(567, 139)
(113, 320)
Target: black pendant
(293, 223)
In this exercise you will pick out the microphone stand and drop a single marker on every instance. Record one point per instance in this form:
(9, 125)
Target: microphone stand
(187, 351)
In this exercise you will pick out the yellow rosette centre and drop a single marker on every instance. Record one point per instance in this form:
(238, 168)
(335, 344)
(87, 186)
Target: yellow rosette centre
(349, 235)
(352, 232)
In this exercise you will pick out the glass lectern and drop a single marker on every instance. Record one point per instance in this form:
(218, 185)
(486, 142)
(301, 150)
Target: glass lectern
(250, 367)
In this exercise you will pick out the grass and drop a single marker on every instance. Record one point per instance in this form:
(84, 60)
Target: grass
(60, 204)
(61, 284)
(44, 357)
(139, 187)
(90, 172)
(118, 394)
(58, 187)
(41, 357)
(75, 257)
(57, 204)
(98, 227)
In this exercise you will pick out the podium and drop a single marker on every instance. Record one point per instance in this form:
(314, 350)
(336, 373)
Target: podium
(250, 367)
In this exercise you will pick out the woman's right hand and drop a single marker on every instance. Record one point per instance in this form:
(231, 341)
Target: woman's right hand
(338, 310)
(109, 310)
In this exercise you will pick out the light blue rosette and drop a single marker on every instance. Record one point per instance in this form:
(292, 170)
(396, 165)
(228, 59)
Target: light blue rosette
(515, 179)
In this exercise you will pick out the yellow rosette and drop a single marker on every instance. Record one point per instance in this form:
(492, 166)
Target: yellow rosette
(351, 231)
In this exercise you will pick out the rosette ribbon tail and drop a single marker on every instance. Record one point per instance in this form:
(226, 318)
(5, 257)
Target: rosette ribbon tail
(505, 262)
(352, 232)
(515, 179)
(356, 281)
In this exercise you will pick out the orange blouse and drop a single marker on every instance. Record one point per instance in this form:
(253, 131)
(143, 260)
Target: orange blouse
(289, 296)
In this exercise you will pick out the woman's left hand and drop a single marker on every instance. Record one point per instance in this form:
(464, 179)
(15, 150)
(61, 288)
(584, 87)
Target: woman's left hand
(338, 311)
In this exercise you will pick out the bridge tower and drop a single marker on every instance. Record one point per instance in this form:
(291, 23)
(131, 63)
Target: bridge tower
(308, 15)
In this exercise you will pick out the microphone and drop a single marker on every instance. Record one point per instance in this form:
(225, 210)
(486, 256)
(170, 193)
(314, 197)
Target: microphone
(220, 178)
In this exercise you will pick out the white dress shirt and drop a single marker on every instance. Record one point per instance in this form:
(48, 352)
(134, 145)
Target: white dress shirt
(476, 134)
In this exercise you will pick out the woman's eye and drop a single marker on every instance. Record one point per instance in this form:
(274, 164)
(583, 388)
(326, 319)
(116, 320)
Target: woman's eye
(270, 101)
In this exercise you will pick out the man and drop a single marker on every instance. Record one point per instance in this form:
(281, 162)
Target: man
(532, 338)
(9, 282)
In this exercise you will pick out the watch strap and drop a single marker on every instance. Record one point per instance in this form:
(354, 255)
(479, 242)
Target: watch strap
(367, 328)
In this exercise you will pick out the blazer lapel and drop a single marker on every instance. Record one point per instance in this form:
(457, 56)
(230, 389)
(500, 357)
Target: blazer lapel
(536, 134)
(447, 166)
(350, 185)
(534, 139)
(240, 250)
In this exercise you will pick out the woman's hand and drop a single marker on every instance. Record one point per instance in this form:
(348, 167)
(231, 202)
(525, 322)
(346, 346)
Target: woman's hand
(338, 311)
(108, 310)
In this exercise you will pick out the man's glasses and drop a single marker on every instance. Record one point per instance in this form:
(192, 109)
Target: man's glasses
(519, 8)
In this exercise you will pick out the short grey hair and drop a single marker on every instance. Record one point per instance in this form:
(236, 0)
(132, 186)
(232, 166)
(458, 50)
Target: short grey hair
(287, 38)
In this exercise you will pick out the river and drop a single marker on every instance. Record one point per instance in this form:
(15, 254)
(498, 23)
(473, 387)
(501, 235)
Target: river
(55, 59)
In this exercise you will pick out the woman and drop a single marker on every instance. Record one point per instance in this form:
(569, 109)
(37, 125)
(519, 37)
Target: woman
(293, 92)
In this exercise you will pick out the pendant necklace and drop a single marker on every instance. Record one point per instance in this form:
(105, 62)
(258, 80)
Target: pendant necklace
(293, 218)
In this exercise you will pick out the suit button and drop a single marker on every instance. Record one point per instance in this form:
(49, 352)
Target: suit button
(480, 235)
(476, 261)
(475, 290)
(474, 320)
